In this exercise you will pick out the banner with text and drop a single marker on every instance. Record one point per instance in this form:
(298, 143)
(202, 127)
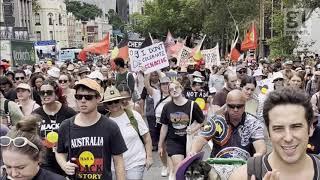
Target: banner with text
(183, 57)
(152, 58)
(22, 53)
(211, 56)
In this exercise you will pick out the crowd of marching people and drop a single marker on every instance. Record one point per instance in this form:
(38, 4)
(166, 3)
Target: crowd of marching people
(99, 120)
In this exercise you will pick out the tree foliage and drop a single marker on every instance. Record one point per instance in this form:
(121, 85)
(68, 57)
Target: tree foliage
(83, 11)
(115, 19)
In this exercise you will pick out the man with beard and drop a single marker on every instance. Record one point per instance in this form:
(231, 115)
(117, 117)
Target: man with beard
(234, 133)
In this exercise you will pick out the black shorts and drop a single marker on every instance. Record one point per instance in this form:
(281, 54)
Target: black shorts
(176, 148)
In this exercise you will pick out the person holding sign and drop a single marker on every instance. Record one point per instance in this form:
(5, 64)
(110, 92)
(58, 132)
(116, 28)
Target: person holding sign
(176, 118)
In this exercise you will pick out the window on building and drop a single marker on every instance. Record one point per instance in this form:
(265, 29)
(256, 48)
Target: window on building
(37, 19)
(50, 16)
(51, 35)
(38, 35)
(60, 20)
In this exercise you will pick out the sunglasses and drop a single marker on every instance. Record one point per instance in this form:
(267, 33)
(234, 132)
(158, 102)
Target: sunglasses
(17, 142)
(241, 72)
(87, 97)
(48, 93)
(63, 81)
(276, 80)
(112, 102)
(19, 78)
(233, 106)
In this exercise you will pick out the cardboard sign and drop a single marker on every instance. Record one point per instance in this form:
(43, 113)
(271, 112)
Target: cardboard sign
(152, 58)
(134, 59)
(211, 56)
(183, 57)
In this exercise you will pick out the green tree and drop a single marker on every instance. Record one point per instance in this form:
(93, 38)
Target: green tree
(83, 11)
(115, 20)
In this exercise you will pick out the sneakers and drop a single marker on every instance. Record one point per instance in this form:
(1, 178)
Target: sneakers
(164, 171)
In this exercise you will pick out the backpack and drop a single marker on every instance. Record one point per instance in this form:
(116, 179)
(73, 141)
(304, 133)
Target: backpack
(133, 122)
(254, 167)
(135, 95)
(6, 112)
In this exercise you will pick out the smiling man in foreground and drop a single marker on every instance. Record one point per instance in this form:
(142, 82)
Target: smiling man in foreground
(288, 116)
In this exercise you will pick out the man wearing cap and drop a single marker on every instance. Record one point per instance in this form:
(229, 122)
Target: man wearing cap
(83, 72)
(26, 104)
(90, 140)
(241, 72)
(287, 71)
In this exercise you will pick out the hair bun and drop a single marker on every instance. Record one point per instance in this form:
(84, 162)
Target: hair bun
(28, 124)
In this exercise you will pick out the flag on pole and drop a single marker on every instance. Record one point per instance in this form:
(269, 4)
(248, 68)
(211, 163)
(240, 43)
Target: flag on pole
(169, 40)
(148, 41)
(198, 47)
(101, 47)
(234, 53)
(251, 39)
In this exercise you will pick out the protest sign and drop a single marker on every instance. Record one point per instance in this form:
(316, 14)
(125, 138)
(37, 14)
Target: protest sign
(152, 58)
(211, 56)
(183, 57)
(135, 44)
(134, 59)
(66, 55)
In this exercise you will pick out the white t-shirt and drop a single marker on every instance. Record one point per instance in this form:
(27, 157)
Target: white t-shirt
(136, 154)
(156, 98)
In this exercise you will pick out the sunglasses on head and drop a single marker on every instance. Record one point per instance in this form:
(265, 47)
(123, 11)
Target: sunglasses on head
(87, 97)
(63, 81)
(112, 102)
(48, 93)
(17, 142)
(19, 78)
(233, 106)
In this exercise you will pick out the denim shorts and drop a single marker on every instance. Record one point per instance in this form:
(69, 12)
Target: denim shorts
(135, 173)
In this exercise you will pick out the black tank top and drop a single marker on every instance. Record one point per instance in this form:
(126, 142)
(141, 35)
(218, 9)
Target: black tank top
(316, 166)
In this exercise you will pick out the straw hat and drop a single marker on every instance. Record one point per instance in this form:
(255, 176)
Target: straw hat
(112, 94)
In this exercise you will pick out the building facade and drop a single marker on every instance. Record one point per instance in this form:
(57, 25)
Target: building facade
(16, 19)
(50, 22)
(71, 25)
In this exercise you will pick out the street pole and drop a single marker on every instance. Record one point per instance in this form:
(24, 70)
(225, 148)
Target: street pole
(261, 49)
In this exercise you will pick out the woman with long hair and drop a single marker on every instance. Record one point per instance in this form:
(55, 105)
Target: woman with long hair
(52, 113)
(296, 81)
(22, 151)
(248, 86)
(134, 132)
(64, 82)
(179, 117)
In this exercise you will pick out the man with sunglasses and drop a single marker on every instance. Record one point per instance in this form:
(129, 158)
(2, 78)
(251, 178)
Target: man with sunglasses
(89, 140)
(236, 134)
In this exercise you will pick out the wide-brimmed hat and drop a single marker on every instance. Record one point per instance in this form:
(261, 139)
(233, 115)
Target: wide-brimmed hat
(89, 83)
(54, 72)
(289, 62)
(239, 67)
(83, 69)
(24, 86)
(112, 94)
(257, 72)
(197, 80)
(183, 165)
(197, 74)
(165, 79)
(277, 75)
(96, 75)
